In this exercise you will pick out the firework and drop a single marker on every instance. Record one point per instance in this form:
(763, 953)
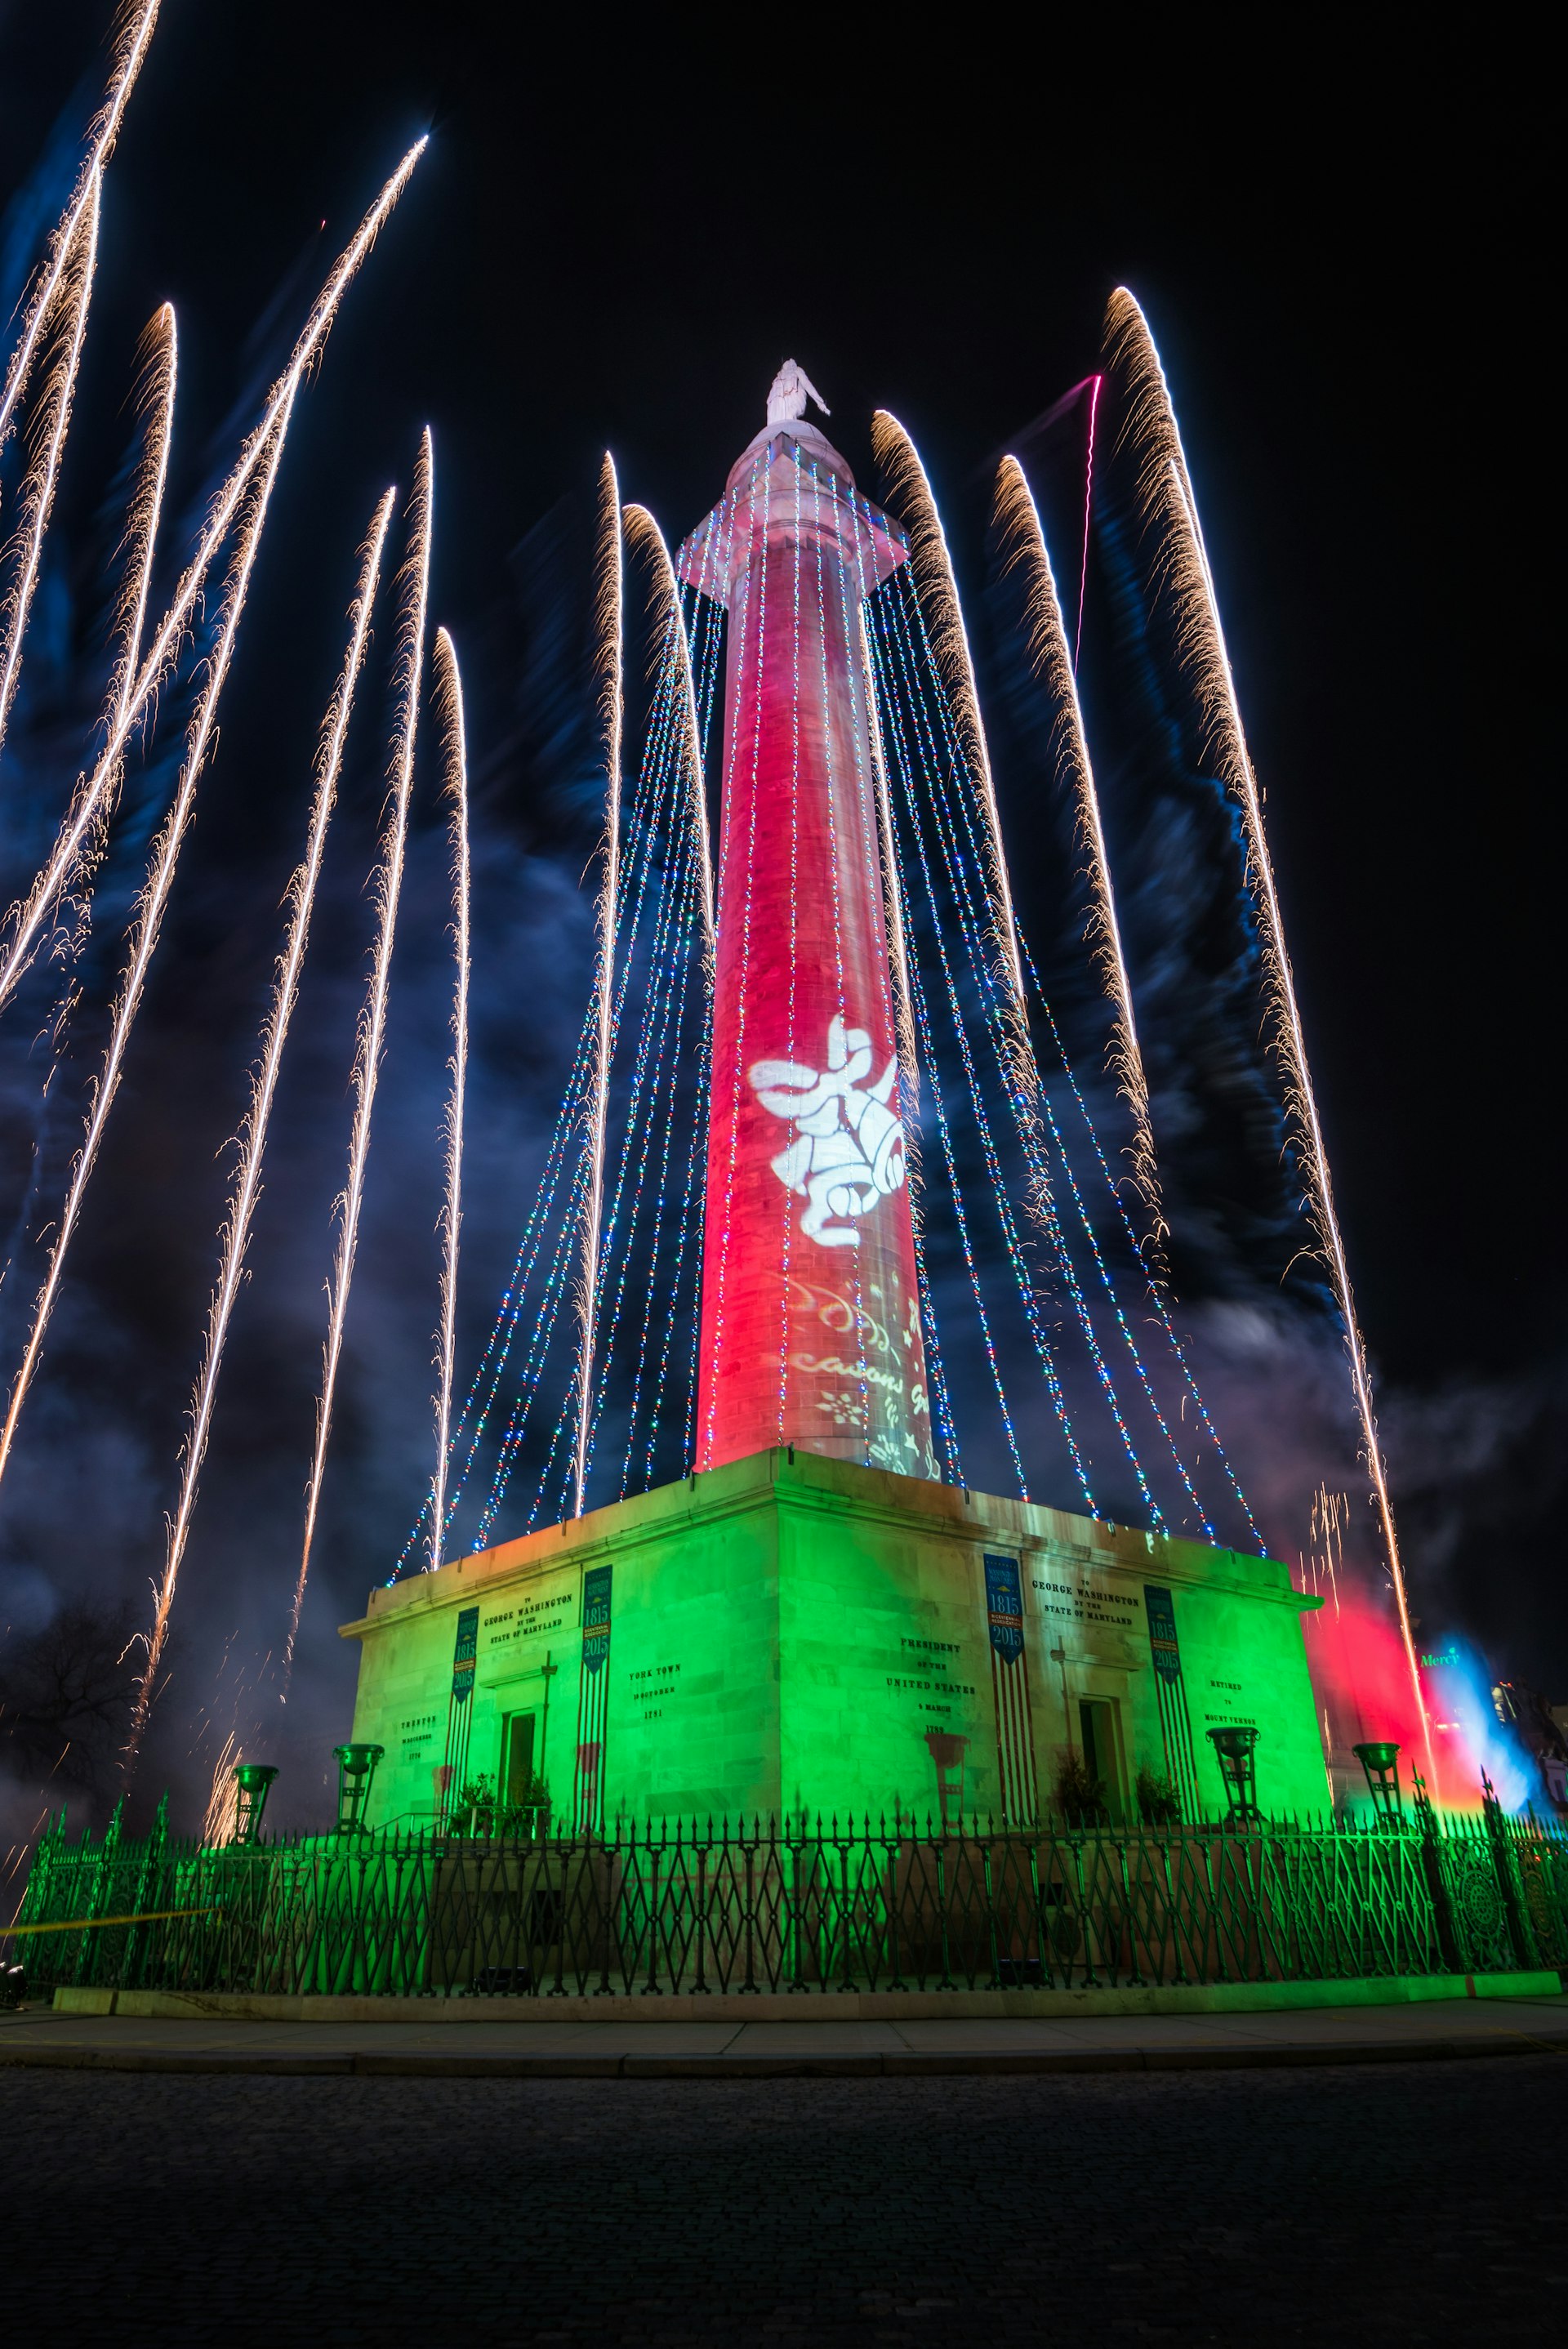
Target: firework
(643, 532)
(937, 590)
(449, 695)
(80, 261)
(155, 397)
(1169, 506)
(1020, 524)
(896, 454)
(608, 609)
(132, 35)
(144, 514)
(145, 922)
(221, 1805)
(388, 889)
(160, 374)
(252, 1138)
(27, 916)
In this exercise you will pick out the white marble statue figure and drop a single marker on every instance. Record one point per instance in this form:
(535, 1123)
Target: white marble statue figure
(791, 388)
(848, 1151)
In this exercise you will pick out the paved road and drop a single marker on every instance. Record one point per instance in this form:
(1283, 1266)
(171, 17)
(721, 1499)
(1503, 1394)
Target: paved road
(1372, 2204)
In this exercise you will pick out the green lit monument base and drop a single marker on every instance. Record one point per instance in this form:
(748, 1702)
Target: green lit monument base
(792, 1635)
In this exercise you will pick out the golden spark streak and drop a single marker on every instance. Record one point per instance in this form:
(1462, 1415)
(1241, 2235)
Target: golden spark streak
(150, 916)
(1019, 521)
(388, 889)
(609, 603)
(146, 920)
(664, 598)
(449, 701)
(221, 1799)
(938, 592)
(43, 475)
(896, 454)
(26, 917)
(131, 37)
(235, 1231)
(145, 512)
(1166, 494)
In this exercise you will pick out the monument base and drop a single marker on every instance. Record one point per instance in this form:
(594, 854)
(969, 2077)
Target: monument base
(792, 1635)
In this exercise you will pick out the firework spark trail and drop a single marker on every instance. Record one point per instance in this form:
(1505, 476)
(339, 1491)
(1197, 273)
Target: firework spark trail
(449, 701)
(938, 591)
(159, 377)
(1019, 521)
(1327, 1526)
(937, 596)
(131, 37)
(235, 1232)
(1166, 494)
(144, 514)
(643, 533)
(222, 1808)
(252, 521)
(388, 889)
(42, 475)
(146, 921)
(608, 604)
(26, 917)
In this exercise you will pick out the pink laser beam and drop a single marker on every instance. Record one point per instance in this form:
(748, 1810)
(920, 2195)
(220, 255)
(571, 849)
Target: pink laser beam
(1095, 383)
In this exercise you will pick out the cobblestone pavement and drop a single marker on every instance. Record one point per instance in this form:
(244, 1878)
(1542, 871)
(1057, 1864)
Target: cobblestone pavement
(1409, 2202)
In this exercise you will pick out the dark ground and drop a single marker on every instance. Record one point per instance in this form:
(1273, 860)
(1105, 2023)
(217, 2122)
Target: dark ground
(1384, 2204)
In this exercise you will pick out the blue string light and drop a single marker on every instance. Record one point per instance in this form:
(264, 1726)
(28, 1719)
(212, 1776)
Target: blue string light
(949, 807)
(898, 709)
(1152, 1287)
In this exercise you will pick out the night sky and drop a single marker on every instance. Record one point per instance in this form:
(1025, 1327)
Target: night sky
(614, 238)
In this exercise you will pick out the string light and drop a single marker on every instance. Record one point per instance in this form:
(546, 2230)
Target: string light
(1155, 1293)
(951, 807)
(721, 1281)
(906, 710)
(896, 734)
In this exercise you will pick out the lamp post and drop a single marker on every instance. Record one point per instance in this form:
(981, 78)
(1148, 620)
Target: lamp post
(1234, 1750)
(355, 1769)
(1379, 1758)
(252, 1784)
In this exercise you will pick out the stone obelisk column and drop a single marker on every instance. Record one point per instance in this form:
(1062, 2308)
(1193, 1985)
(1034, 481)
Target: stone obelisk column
(810, 1311)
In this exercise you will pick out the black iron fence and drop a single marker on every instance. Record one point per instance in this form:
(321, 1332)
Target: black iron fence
(776, 1908)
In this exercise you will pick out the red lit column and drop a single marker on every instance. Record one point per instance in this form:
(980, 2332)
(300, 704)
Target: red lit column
(810, 1310)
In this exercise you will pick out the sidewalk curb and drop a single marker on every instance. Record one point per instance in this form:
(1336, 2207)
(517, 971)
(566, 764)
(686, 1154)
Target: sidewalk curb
(890, 2065)
(1130, 2003)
